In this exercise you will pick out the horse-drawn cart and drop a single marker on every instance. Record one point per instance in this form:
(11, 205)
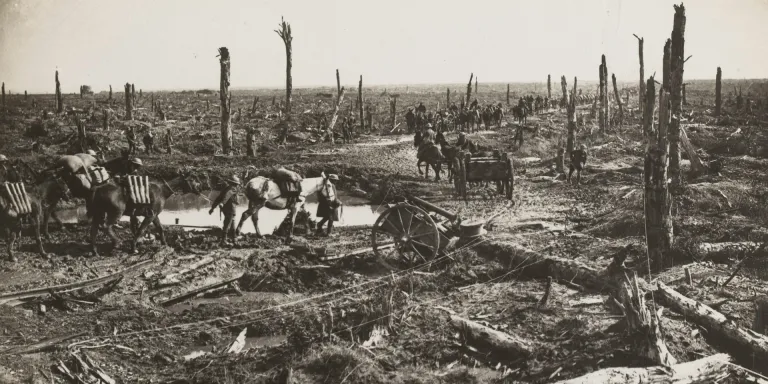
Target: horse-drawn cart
(496, 168)
(414, 232)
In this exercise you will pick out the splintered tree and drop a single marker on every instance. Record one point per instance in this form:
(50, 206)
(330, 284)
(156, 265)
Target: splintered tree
(128, 104)
(718, 90)
(475, 86)
(285, 34)
(658, 200)
(601, 111)
(618, 99)
(549, 87)
(641, 89)
(448, 97)
(469, 88)
(226, 127)
(507, 94)
(59, 102)
(336, 108)
(3, 109)
(676, 63)
(571, 109)
(133, 92)
(360, 104)
(338, 85)
(110, 93)
(393, 110)
(604, 102)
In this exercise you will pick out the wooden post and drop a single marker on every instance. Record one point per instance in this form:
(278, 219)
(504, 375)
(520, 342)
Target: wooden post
(469, 88)
(549, 87)
(718, 90)
(658, 207)
(360, 104)
(641, 89)
(128, 105)
(334, 117)
(676, 64)
(760, 325)
(59, 102)
(507, 93)
(105, 125)
(226, 128)
(618, 99)
(285, 34)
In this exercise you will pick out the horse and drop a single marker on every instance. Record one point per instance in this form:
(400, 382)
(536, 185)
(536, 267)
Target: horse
(111, 202)
(430, 155)
(264, 192)
(498, 116)
(11, 221)
(449, 153)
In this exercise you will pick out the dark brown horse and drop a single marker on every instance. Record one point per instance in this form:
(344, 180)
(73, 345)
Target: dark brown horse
(111, 202)
(11, 221)
(429, 154)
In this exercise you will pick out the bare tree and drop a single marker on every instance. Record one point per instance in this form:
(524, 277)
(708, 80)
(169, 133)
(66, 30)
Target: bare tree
(329, 132)
(475, 86)
(641, 89)
(226, 127)
(360, 104)
(676, 64)
(618, 99)
(285, 34)
(469, 88)
(718, 92)
(110, 92)
(338, 85)
(549, 87)
(128, 103)
(571, 110)
(3, 106)
(448, 97)
(507, 93)
(59, 101)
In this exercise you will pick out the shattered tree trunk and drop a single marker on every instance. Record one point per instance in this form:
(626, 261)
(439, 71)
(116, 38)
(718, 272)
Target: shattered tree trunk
(658, 205)
(601, 110)
(507, 94)
(253, 107)
(742, 341)
(469, 88)
(676, 69)
(393, 111)
(3, 106)
(128, 104)
(643, 324)
(549, 87)
(484, 337)
(250, 141)
(448, 98)
(81, 136)
(335, 117)
(618, 99)
(760, 325)
(338, 86)
(711, 369)
(685, 100)
(571, 109)
(718, 92)
(226, 127)
(105, 125)
(697, 166)
(475, 86)
(59, 102)
(110, 92)
(285, 34)
(641, 89)
(605, 105)
(360, 104)
(564, 86)
(722, 252)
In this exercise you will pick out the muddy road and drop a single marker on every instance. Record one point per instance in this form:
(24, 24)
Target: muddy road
(195, 312)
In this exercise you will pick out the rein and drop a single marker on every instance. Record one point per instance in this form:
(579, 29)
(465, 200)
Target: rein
(168, 185)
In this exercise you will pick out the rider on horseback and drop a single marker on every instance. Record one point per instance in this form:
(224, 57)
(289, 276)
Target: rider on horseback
(466, 144)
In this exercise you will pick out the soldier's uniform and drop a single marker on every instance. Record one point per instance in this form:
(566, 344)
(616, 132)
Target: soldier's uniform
(130, 135)
(328, 205)
(227, 200)
(578, 161)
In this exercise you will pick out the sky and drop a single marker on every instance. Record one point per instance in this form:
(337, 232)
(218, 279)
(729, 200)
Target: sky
(172, 44)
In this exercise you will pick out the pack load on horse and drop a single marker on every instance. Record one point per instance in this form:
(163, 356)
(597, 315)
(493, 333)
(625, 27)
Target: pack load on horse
(266, 192)
(288, 181)
(17, 204)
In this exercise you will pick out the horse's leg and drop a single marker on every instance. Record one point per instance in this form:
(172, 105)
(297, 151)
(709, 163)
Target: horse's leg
(38, 218)
(159, 227)
(418, 166)
(144, 225)
(134, 224)
(10, 236)
(293, 212)
(437, 166)
(570, 173)
(252, 212)
(97, 221)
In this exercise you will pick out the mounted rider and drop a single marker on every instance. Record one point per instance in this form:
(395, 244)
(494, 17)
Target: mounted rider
(428, 139)
(465, 144)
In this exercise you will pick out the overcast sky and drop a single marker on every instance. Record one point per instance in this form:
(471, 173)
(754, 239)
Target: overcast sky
(165, 44)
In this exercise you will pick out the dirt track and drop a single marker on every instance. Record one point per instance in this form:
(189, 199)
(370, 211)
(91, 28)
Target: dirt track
(317, 317)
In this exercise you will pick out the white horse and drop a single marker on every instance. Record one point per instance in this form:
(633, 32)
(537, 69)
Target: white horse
(263, 192)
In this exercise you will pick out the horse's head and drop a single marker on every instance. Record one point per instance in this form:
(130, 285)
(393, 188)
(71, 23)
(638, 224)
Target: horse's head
(190, 182)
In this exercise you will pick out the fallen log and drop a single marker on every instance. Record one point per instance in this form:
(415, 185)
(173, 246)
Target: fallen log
(536, 264)
(485, 337)
(706, 370)
(739, 339)
(173, 278)
(40, 346)
(195, 292)
(722, 252)
(37, 292)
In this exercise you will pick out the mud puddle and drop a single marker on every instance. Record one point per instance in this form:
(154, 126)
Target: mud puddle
(192, 211)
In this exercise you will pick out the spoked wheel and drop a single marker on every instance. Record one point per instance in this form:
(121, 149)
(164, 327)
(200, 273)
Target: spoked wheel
(404, 235)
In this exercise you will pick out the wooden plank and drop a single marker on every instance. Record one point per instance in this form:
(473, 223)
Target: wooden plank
(41, 345)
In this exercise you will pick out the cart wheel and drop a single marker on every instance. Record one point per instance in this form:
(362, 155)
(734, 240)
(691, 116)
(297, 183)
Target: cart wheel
(404, 233)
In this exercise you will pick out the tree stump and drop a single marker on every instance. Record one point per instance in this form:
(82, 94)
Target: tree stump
(641, 88)
(618, 100)
(59, 101)
(226, 127)
(718, 92)
(250, 141)
(469, 88)
(128, 102)
(360, 104)
(549, 87)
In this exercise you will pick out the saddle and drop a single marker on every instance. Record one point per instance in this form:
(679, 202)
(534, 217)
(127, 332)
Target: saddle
(98, 175)
(16, 194)
(137, 189)
(289, 182)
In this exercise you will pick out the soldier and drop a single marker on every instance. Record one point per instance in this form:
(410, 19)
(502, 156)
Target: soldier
(410, 119)
(168, 141)
(429, 136)
(149, 142)
(466, 144)
(578, 161)
(130, 135)
(421, 108)
(328, 205)
(227, 200)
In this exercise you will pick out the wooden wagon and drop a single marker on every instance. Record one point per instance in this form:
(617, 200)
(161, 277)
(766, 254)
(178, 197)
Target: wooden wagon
(407, 232)
(497, 168)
